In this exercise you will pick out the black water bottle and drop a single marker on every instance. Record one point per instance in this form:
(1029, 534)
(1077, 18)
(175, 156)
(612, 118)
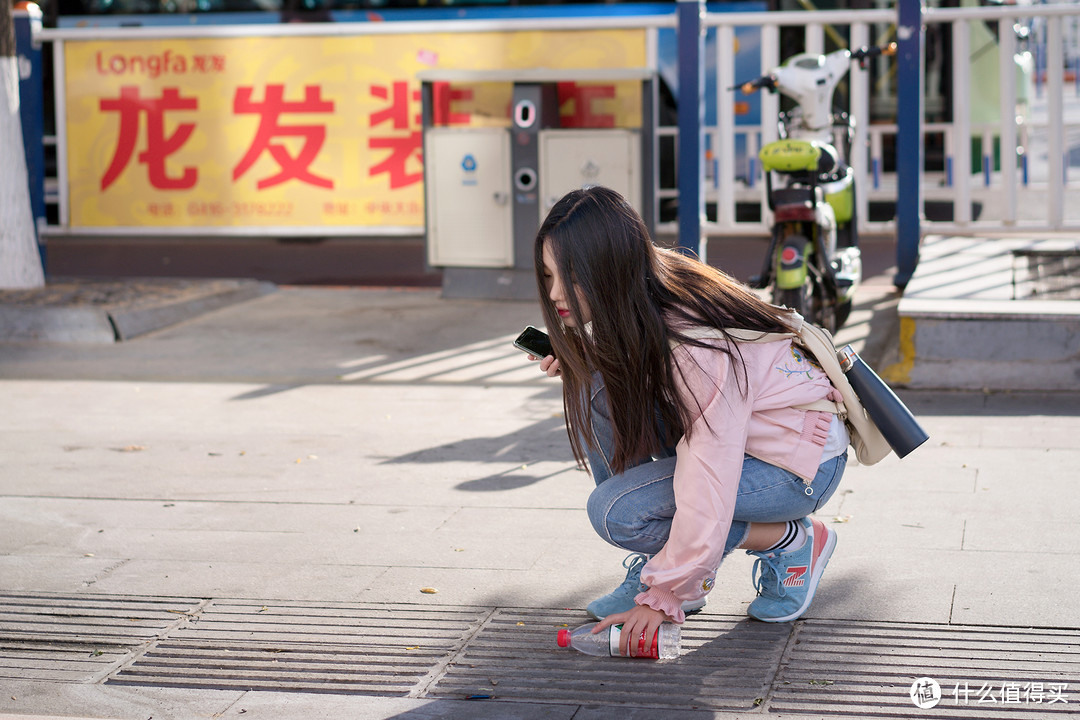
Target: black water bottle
(899, 427)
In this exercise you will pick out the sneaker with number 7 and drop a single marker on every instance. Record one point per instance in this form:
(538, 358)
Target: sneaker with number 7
(786, 581)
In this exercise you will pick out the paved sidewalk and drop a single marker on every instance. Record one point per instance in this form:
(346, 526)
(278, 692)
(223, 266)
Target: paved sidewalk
(244, 515)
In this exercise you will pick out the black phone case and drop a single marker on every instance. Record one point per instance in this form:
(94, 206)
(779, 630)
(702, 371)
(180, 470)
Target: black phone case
(533, 341)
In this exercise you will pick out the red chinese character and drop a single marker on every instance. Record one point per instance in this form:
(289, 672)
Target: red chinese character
(582, 115)
(270, 110)
(398, 111)
(403, 148)
(443, 96)
(158, 147)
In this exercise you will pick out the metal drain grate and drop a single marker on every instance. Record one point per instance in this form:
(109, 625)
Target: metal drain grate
(306, 647)
(867, 669)
(77, 639)
(852, 668)
(726, 663)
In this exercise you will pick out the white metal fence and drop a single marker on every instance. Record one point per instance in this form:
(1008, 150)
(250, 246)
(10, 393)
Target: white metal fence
(1034, 194)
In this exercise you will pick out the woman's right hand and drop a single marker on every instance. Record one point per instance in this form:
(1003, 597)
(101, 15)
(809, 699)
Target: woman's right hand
(549, 365)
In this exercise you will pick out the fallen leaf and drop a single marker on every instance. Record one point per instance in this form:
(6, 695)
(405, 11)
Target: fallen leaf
(413, 647)
(428, 590)
(521, 624)
(841, 518)
(130, 448)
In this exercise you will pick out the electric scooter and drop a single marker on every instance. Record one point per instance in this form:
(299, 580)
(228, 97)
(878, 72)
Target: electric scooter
(814, 264)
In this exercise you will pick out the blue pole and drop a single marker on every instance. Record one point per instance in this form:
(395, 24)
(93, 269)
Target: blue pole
(909, 140)
(691, 103)
(31, 108)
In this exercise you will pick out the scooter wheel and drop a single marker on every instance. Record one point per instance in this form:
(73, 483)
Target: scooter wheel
(843, 312)
(797, 299)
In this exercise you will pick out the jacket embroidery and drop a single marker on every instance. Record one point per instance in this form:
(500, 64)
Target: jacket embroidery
(799, 358)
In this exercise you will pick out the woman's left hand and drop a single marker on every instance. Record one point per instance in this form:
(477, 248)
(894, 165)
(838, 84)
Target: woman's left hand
(638, 628)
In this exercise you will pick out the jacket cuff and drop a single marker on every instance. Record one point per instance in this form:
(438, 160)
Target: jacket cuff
(664, 601)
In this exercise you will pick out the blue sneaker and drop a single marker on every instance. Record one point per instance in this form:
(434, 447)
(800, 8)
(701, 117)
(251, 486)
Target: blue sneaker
(621, 598)
(786, 581)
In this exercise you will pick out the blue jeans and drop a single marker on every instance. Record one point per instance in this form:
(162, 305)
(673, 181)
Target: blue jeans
(633, 509)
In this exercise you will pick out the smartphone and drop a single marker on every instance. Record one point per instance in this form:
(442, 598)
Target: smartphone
(535, 342)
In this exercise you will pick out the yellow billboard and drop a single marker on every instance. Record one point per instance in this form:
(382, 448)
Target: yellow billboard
(297, 132)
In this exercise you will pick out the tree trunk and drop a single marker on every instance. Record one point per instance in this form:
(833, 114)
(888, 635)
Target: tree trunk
(20, 262)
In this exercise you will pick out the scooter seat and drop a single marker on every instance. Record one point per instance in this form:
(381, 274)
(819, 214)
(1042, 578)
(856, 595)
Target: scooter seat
(796, 195)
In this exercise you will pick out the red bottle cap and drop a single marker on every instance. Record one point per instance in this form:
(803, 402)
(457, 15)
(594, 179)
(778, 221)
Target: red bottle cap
(563, 638)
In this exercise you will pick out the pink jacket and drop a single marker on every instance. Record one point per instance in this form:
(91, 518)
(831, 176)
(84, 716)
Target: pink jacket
(709, 457)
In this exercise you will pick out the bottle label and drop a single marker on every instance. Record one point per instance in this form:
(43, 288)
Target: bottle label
(642, 651)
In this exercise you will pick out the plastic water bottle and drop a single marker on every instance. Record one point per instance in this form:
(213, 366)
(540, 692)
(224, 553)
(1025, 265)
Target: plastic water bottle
(665, 643)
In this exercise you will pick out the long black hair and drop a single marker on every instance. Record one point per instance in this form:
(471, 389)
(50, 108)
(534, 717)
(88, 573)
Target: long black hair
(640, 298)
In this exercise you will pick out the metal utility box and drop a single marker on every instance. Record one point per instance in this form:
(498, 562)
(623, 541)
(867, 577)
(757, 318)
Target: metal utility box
(470, 218)
(571, 159)
(487, 190)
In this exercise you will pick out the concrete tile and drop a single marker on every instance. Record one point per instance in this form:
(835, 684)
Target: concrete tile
(63, 574)
(865, 582)
(483, 587)
(1033, 538)
(97, 514)
(530, 523)
(1020, 589)
(284, 580)
(111, 701)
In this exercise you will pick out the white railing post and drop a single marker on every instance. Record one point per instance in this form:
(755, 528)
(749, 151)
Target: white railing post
(961, 138)
(815, 38)
(770, 105)
(1055, 87)
(860, 111)
(724, 147)
(770, 102)
(876, 155)
(1007, 151)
